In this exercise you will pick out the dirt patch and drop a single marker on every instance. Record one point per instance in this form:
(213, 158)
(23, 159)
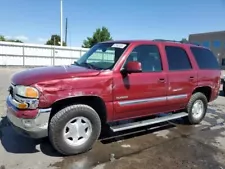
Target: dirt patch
(180, 153)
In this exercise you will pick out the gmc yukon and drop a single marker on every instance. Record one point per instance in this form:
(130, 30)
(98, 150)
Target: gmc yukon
(113, 81)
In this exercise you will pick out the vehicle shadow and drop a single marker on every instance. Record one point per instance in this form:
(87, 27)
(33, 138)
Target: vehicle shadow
(12, 142)
(221, 93)
(108, 136)
(17, 144)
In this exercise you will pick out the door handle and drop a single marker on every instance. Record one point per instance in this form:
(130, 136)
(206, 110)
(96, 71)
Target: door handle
(161, 80)
(191, 77)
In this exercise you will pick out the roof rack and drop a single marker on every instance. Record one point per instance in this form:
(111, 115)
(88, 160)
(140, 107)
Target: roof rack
(165, 40)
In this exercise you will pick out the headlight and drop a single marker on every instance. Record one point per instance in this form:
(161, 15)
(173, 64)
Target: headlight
(26, 91)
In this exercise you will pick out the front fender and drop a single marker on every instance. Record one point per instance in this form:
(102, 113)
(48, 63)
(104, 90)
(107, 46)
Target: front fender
(52, 91)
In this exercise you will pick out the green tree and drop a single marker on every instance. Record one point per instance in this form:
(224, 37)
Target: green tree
(55, 40)
(2, 38)
(184, 40)
(12, 40)
(100, 35)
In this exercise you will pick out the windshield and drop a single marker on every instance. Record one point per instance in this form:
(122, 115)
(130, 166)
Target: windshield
(102, 56)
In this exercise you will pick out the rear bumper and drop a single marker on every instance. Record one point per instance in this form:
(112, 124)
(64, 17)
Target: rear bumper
(31, 127)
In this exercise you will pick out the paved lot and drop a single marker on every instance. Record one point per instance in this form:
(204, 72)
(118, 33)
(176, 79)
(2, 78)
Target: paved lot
(169, 145)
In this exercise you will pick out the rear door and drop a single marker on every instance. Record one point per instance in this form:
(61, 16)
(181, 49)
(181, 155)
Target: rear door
(182, 77)
(208, 69)
(144, 93)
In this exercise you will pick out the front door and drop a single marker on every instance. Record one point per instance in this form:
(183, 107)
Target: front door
(143, 93)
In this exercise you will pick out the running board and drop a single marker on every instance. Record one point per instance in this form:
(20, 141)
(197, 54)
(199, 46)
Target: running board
(147, 122)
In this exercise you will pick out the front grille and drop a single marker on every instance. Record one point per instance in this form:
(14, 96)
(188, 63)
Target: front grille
(10, 90)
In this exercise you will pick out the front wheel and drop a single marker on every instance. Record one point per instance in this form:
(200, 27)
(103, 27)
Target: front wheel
(196, 108)
(74, 129)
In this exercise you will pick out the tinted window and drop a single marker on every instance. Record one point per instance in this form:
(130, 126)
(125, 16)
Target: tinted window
(148, 56)
(206, 44)
(177, 58)
(196, 42)
(205, 58)
(216, 44)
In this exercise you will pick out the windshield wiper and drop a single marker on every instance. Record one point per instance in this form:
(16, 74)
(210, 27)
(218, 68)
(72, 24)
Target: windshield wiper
(88, 65)
(76, 63)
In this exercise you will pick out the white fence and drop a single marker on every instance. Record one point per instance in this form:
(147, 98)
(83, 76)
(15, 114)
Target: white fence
(22, 54)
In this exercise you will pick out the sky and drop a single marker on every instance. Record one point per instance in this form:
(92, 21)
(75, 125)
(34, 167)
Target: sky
(34, 21)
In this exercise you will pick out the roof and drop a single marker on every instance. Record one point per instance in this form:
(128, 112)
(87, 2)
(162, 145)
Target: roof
(155, 41)
(208, 33)
(127, 41)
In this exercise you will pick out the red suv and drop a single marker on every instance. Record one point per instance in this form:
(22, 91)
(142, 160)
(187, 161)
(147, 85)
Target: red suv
(113, 81)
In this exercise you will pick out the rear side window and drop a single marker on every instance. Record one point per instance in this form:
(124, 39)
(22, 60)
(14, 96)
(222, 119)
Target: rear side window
(205, 58)
(177, 58)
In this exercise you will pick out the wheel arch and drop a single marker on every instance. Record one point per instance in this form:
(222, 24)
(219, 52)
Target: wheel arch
(206, 90)
(97, 103)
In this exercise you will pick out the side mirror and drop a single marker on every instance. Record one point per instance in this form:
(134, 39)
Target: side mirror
(133, 67)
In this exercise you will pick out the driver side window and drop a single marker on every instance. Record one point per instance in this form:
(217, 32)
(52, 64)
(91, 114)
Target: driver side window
(148, 56)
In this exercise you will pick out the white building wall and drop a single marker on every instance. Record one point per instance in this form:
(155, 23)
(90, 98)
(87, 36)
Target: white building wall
(22, 54)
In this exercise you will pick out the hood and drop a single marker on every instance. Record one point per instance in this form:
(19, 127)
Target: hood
(35, 75)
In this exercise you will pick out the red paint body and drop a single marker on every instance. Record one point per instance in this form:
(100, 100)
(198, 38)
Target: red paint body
(58, 83)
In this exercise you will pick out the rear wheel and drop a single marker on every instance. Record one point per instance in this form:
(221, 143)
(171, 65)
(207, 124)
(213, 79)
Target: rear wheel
(74, 129)
(196, 108)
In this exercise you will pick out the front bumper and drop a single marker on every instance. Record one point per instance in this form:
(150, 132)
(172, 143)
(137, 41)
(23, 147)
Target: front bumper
(36, 127)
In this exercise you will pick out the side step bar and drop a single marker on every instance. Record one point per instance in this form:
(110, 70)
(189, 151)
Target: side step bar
(147, 122)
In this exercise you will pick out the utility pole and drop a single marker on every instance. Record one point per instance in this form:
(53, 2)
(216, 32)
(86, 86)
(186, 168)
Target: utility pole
(61, 22)
(66, 31)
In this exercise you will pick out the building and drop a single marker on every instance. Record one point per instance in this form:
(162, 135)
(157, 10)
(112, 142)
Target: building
(213, 40)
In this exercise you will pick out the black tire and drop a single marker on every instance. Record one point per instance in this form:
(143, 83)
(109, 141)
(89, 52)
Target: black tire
(191, 119)
(60, 119)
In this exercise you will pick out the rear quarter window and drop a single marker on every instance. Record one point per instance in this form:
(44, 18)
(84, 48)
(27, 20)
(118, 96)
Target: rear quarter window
(205, 58)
